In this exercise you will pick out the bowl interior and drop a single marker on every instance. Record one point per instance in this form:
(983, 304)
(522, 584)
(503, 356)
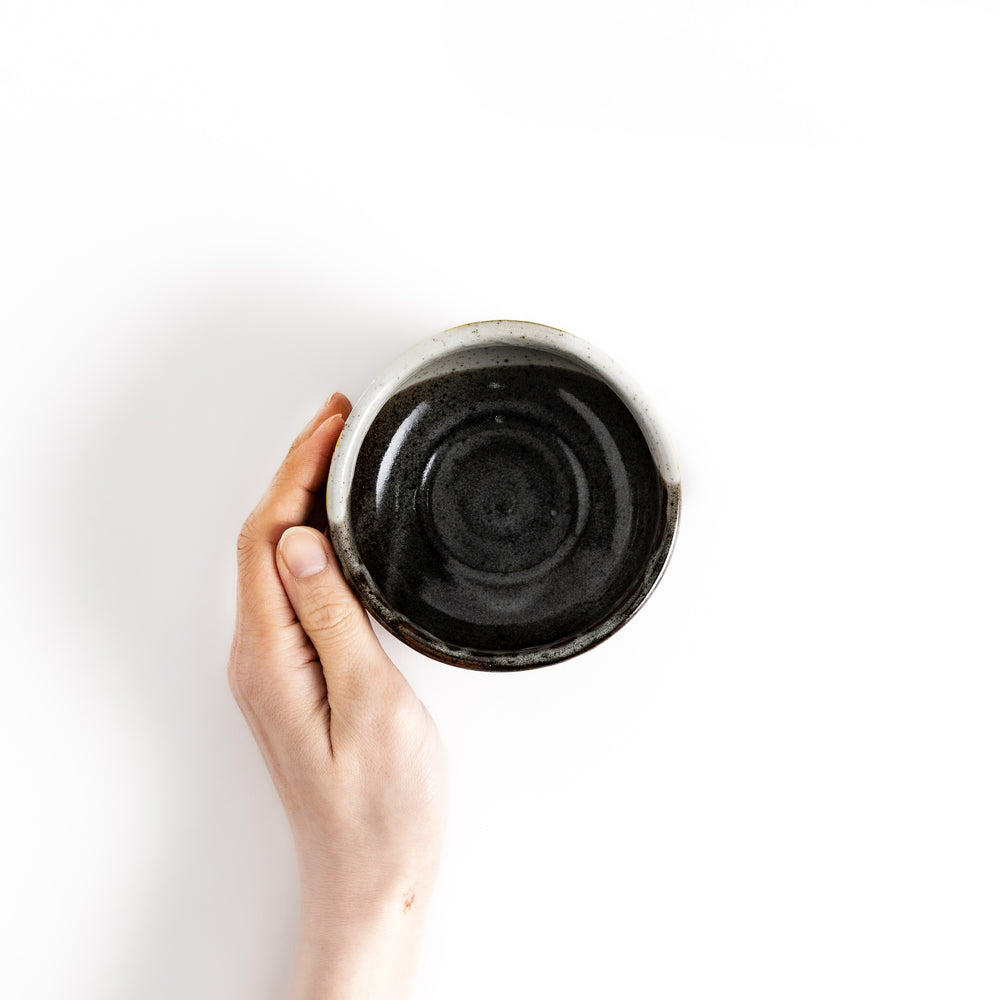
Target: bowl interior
(505, 507)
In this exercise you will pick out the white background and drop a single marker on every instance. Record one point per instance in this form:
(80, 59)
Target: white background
(780, 780)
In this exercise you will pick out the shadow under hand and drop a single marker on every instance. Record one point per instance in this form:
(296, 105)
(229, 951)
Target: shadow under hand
(163, 469)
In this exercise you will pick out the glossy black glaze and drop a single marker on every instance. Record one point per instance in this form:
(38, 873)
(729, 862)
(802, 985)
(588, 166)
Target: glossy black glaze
(508, 508)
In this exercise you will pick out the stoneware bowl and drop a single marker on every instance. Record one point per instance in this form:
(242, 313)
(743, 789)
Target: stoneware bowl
(502, 496)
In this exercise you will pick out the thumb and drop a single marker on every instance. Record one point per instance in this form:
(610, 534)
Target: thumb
(332, 617)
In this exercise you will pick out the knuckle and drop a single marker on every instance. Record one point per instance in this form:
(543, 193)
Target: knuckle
(247, 537)
(407, 718)
(246, 684)
(336, 621)
(393, 723)
(239, 681)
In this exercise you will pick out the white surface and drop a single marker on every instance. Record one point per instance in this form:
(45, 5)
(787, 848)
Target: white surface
(780, 780)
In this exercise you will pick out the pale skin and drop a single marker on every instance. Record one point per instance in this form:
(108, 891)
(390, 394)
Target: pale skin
(354, 755)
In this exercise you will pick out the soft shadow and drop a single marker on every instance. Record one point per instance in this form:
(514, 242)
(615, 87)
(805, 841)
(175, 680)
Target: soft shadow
(162, 469)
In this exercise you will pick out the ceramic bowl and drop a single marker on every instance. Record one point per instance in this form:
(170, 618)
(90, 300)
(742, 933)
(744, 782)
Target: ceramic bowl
(502, 496)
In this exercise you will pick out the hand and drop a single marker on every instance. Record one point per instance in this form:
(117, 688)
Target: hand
(354, 755)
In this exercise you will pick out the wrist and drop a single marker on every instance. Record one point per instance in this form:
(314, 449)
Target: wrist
(360, 943)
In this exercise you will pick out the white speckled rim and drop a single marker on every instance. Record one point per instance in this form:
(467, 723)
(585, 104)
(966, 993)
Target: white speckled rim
(425, 359)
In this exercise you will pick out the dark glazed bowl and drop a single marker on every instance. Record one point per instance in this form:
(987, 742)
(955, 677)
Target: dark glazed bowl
(502, 498)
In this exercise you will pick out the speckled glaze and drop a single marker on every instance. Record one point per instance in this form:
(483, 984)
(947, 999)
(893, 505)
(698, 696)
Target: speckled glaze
(502, 498)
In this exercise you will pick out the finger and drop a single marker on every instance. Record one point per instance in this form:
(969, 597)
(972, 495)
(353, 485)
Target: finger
(354, 664)
(336, 402)
(301, 477)
(294, 492)
(273, 668)
(302, 473)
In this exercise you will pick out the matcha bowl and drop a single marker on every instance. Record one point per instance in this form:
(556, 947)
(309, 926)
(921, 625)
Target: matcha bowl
(502, 496)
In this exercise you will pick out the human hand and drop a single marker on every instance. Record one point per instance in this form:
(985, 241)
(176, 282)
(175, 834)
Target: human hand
(353, 753)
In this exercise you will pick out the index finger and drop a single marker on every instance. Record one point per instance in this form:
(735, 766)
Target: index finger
(286, 503)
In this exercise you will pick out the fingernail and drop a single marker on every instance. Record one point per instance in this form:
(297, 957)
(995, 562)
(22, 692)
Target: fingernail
(329, 400)
(303, 552)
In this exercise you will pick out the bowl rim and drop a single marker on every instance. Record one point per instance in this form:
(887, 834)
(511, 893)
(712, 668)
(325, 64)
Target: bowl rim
(424, 354)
